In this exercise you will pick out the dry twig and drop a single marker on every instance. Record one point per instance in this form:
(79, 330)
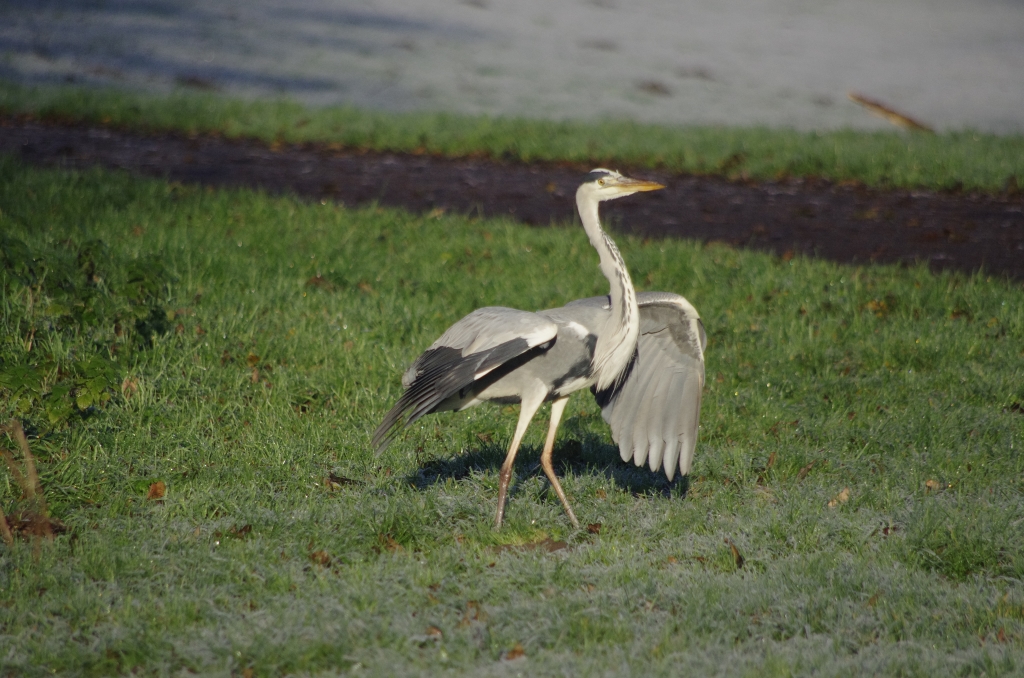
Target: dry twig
(38, 522)
(895, 117)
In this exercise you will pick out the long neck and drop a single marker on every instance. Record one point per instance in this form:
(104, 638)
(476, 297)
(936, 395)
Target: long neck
(617, 342)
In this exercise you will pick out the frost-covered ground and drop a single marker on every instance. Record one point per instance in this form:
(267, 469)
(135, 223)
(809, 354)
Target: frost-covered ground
(950, 63)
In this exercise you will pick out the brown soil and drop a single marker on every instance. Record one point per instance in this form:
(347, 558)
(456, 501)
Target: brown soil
(849, 224)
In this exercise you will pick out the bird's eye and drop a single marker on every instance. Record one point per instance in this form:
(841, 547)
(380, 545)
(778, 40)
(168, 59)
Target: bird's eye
(600, 182)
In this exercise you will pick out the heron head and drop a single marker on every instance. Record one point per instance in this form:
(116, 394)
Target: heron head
(606, 184)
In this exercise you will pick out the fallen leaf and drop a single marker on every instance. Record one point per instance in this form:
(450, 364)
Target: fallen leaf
(737, 557)
(484, 437)
(388, 542)
(932, 486)
(129, 387)
(771, 461)
(321, 558)
(841, 498)
(255, 375)
(594, 528)
(252, 359)
(802, 473)
(474, 613)
(320, 282)
(879, 308)
(240, 532)
(601, 494)
(27, 524)
(517, 652)
(873, 600)
(157, 491)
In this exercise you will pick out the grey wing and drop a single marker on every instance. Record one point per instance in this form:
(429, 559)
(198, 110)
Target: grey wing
(654, 411)
(470, 349)
(485, 329)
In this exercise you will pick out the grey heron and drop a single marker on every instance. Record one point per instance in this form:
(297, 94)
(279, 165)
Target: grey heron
(642, 355)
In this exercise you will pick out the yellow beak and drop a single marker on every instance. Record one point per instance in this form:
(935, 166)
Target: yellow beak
(640, 185)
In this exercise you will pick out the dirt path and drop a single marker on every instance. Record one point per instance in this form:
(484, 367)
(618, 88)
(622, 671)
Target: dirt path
(842, 223)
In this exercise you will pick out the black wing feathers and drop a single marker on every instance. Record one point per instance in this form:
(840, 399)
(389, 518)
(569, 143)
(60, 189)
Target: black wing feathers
(441, 373)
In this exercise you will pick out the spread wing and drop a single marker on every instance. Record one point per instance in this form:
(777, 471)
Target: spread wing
(470, 349)
(655, 410)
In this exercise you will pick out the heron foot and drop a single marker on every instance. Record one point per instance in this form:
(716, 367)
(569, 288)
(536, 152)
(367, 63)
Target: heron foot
(505, 477)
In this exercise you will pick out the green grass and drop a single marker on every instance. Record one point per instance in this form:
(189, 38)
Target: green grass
(961, 160)
(256, 386)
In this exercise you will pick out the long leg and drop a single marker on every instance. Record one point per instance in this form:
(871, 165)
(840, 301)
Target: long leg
(557, 408)
(530, 404)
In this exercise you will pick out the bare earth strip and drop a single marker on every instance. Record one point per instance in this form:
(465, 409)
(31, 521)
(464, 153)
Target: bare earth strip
(851, 224)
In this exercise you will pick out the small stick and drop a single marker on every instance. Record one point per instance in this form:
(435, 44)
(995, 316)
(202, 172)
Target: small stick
(30, 486)
(895, 117)
(30, 463)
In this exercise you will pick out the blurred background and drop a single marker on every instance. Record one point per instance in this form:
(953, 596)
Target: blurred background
(952, 64)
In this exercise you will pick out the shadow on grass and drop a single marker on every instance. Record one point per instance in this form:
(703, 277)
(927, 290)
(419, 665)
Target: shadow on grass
(589, 456)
